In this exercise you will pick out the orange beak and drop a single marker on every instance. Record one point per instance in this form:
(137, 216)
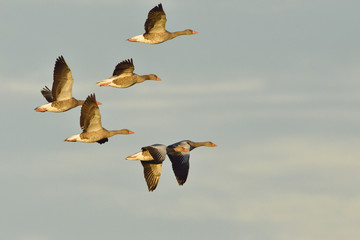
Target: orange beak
(104, 84)
(131, 132)
(98, 103)
(214, 145)
(158, 79)
(194, 32)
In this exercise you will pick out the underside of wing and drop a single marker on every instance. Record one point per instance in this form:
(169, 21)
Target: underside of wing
(180, 166)
(152, 174)
(90, 119)
(63, 80)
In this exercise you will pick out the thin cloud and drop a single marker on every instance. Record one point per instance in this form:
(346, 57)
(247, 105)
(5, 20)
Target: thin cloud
(218, 88)
(279, 154)
(24, 88)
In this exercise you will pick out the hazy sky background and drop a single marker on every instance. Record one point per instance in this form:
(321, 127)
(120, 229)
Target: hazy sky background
(275, 84)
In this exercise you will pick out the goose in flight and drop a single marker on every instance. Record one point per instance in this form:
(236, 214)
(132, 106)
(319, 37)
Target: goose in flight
(90, 123)
(151, 158)
(180, 160)
(155, 31)
(123, 76)
(60, 96)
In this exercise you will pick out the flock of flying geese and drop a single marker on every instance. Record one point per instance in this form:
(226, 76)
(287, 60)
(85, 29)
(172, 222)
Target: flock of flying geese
(60, 100)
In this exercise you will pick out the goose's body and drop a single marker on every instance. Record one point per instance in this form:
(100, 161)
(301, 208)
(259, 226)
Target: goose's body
(151, 158)
(155, 31)
(123, 76)
(59, 106)
(180, 160)
(90, 122)
(60, 97)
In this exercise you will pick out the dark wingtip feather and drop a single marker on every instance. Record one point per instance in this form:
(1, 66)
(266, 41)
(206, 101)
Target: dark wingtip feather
(59, 62)
(60, 59)
(180, 181)
(46, 92)
(129, 61)
(126, 65)
(151, 188)
(44, 89)
(157, 8)
(91, 98)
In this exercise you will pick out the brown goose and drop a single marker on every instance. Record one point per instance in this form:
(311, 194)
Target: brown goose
(155, 31)
(151, 158)
(124, 77)
(60, 97)
(90, 122)
(180, 160)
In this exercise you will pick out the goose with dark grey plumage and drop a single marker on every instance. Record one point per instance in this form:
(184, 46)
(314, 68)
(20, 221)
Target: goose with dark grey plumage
(155, 31)
(123, 76)
(90, 122)
(60, 96)
(151, 158)
(180, 160)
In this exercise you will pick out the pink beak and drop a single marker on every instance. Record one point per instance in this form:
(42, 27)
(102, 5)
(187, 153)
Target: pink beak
(104, 84)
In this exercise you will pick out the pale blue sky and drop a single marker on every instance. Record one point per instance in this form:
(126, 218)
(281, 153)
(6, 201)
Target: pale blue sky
(275, 84)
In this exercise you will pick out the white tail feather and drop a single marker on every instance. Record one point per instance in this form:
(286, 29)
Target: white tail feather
(140, 38)
(75, 138)
(104, 82)
(139, 156)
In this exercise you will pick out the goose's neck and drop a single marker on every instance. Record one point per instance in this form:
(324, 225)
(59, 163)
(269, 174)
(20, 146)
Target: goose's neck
(199, 144)
(79, 102)
(115, 132)
(142, 78)
(178, 33)
(122, 131)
